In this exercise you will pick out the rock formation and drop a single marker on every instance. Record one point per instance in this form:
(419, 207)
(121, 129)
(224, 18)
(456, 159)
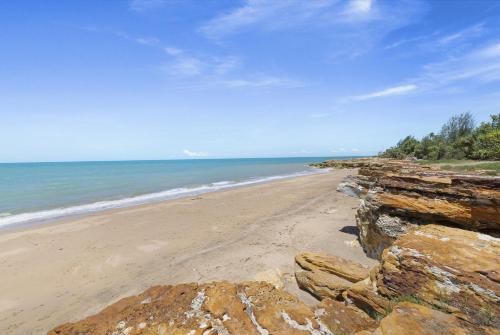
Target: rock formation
(326, 276)
(398, 196)
(455, 270)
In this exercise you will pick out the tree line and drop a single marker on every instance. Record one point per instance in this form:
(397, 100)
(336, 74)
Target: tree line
(459, 138)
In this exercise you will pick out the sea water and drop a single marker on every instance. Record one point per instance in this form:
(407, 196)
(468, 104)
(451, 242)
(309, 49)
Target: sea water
(36, 192)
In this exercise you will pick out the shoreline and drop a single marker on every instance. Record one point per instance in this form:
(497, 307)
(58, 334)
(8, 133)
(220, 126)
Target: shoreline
(47, 216)
(67, 270)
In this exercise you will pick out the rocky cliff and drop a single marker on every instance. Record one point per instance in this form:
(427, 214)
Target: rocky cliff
(398, 196)
(434, 232)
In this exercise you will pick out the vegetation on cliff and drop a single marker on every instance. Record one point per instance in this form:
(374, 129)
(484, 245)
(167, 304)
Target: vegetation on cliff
(459, 138)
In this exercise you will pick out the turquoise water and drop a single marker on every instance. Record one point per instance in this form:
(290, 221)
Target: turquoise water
(41, 191)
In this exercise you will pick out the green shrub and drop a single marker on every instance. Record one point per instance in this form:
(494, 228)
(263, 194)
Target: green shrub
(458, 139)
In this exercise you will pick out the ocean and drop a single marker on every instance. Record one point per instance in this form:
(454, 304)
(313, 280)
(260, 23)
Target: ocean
(37, 192)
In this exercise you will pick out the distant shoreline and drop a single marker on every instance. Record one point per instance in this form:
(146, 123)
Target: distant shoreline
(47, 216)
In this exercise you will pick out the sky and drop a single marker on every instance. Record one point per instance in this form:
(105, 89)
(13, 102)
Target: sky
(171, 79)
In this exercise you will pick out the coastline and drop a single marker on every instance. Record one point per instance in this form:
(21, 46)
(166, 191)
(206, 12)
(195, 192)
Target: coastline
(69, 269)
(56, 214)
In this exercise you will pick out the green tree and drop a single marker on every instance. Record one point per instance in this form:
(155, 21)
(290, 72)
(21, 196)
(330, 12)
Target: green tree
(457, 127)
(487, 140)
(458, 139)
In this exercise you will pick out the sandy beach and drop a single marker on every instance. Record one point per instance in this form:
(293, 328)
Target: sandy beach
(66, 270)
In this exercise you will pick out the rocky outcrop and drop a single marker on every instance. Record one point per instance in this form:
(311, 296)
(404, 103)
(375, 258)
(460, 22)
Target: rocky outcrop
(412, 319)
(215, 308)
(326, 276)
(398, 196)
(455, 270)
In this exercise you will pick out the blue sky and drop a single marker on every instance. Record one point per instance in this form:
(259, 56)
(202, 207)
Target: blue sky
(161, 79)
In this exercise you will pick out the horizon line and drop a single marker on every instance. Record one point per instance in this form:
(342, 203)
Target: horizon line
(182, 159)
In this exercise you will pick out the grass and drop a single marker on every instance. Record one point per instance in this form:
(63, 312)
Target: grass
(444, 161)
(464, 165)
(491, 168)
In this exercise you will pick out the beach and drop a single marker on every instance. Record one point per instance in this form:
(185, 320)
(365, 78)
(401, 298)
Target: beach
(71, 268)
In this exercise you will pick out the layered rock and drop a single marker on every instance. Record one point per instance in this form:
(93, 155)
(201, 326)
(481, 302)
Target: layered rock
(455, 270)
(322, 285)
(366, 297)
(398, 196)
(327, 276)
(215, 308)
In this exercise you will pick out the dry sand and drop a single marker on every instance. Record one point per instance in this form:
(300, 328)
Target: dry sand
(66, 270)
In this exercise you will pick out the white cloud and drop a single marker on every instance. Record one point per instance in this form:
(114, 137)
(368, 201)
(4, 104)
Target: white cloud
(194, 154)
(438, 42)
(263, 81)
(283, 14)
(271, 14)
(490, 51)
(359, 6)
(391, 91)
(186, 66)
(481, 65)
(474, 31)
(358, 10)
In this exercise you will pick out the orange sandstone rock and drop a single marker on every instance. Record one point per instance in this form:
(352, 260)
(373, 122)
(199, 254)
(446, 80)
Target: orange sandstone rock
(214, 308)
(412, 319)
(453, 269)
(348, 270)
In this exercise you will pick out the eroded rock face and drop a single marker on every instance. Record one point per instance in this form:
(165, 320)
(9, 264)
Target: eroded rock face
(412, 319)
(453, 269)
(215, 308)
(398, 196)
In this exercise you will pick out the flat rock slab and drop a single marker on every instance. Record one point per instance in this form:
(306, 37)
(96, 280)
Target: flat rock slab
(318, 262)
(214, 308)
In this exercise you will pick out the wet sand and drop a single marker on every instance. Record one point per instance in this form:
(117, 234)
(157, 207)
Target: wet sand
(66, 270)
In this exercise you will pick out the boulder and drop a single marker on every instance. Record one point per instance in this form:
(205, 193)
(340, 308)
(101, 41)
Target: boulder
(318, 262)
(413, 319)
(321, 284)
(452, 269)
(214, 308)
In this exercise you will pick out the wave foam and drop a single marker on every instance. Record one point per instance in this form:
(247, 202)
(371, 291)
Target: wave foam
(6, 219)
